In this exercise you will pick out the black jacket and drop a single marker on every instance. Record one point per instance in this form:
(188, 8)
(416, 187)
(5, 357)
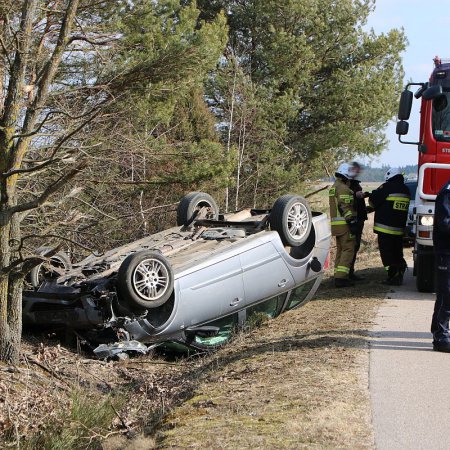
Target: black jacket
(391, 203)
(361, 208)
(441, 231)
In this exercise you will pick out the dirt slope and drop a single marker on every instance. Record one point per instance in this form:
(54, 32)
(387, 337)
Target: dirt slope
(300, 381)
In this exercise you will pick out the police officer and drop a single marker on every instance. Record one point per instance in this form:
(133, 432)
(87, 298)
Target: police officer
(361, 216)
(391, 202)
(441, 242)
(343, 222)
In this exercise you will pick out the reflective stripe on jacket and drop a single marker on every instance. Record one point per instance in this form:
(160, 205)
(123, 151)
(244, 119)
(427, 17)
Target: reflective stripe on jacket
(387, 229)
(342, 207)
(391, 204)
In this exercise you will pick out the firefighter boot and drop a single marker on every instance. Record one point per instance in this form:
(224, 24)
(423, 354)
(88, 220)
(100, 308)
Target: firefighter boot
(397, 280)
(404, 267)
(441, 347)
(355, 277)
(343, 282)
(395, 276)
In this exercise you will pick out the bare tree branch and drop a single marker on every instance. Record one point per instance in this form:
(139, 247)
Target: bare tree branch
(135, 183)
(58, 237)
(51, 189)
(45, 81)
(36, 168)
(91, 41)
(12, 103)
(90, 205)
(64, 113)
(5, 51)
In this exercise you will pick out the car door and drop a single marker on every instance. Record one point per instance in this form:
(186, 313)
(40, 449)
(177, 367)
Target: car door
(264, 273)
(211, 292)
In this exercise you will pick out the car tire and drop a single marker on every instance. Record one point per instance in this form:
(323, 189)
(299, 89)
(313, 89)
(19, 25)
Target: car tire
(145, 280)
(191, 203)
(291, 217)
(40, 273)
(424, 268)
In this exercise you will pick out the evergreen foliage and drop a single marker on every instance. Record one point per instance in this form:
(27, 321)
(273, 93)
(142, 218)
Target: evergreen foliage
(111, 111)
(311, 88)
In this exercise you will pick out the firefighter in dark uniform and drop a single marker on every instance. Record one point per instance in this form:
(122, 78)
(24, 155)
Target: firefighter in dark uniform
(361, 216)
(343, 222)
(441, 242)
(391, 202)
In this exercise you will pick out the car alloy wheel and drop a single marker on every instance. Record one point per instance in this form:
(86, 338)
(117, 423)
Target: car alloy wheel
(151, 279)
(145, 280)
(291, 217)
(298, 221)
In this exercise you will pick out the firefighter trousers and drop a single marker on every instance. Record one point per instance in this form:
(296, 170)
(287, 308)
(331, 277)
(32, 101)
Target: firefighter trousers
(391, 252)
(358, 236)
(345, 250)
(441, 315)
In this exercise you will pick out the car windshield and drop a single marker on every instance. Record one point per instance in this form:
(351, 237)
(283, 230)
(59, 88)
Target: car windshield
(412, 186)
(441, 117)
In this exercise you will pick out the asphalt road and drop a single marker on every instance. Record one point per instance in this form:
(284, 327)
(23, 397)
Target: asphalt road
(409, 382)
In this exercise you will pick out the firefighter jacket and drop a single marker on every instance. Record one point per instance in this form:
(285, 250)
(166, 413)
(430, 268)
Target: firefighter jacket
(441, 231)
(360, 203)
(391, 203)
(342, 207)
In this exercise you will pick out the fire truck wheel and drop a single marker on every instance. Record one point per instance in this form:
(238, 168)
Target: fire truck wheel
(424, 268)
(291, 217)
(145, 280)
(44, 271)
(192, 203)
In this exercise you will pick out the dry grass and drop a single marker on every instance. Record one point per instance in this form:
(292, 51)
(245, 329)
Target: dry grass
(60, 399)
(300, 381)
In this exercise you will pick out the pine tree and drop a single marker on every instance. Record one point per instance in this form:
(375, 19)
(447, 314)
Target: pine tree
(324, 87)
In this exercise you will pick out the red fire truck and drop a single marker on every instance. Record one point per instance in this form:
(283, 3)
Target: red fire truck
(434, 161)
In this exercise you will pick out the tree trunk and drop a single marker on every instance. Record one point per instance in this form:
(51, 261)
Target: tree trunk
(10, 350)
(2, 69)
(11, 284)
(11, 330)
(12, 152)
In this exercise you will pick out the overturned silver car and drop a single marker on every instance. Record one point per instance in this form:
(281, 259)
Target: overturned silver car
(192, 284)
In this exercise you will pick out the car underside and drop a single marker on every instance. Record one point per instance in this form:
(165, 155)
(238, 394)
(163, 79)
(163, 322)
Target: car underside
(190, 286)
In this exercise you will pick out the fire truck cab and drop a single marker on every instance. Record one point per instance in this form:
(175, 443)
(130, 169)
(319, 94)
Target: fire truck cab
(433, 162)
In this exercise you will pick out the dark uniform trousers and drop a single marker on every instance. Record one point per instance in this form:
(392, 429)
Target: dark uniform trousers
(441, 243)
(358, 231)
(361, 217)
(391, 252)
(441, 315)
(391, 202)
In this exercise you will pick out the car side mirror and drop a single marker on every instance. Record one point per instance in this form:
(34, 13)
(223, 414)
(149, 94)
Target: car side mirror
(421, 90)
(404, 109)
(402, 128)
(432, 92)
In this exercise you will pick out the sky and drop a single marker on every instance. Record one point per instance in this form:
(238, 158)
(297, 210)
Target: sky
(426, 25)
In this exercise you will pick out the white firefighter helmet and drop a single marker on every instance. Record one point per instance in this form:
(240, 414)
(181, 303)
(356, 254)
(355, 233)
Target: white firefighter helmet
(392, 172)
(346, 170)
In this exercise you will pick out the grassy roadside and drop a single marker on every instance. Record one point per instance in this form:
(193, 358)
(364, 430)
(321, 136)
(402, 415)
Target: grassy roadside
(300, 381)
